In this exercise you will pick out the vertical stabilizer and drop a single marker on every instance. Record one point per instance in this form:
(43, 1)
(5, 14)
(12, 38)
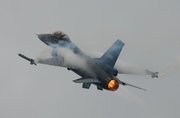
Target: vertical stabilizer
(111, 55)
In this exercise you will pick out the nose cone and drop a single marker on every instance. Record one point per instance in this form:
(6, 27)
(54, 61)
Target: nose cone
(47, 39)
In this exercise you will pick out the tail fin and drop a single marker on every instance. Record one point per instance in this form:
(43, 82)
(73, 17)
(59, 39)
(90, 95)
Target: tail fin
(111, 55)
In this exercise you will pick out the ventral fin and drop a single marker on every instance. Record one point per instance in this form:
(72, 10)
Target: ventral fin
(86, 85)
(99, 88)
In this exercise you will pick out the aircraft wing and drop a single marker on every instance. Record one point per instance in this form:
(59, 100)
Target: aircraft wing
(125, 68)
(55, 61)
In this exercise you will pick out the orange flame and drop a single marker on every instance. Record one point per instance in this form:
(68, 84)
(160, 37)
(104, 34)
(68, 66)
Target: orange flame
(113, 85)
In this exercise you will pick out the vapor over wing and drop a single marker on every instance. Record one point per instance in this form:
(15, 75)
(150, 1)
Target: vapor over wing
(124, 68)
(55, 61)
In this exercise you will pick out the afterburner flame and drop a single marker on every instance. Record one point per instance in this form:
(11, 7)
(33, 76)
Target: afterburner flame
(113, 85)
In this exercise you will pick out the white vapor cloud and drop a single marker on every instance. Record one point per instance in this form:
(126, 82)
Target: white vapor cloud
(121, 66)
(172, 68)
(65, 58)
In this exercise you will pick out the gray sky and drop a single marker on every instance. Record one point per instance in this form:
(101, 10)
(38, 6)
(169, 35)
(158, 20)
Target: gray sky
(149, 29)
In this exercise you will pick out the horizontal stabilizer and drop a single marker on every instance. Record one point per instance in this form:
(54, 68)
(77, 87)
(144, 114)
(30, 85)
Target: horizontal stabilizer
(124, 84)
(87, 80)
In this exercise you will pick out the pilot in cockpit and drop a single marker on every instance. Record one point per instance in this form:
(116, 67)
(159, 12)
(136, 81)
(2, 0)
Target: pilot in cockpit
(60, 35)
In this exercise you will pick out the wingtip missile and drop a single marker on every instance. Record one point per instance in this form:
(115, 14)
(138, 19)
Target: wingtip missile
(155, 74)
(28, 59)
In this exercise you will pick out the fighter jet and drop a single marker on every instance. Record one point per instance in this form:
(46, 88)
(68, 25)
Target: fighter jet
(98, 71)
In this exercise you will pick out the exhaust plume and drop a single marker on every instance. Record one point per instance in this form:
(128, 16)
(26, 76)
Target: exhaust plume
(128, 95)
(173, 67)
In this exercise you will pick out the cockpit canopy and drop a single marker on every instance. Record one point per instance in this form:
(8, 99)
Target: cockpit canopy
(60, 35)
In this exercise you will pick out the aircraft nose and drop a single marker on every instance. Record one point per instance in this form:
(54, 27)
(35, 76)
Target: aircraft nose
(46, 38)
(42, 38)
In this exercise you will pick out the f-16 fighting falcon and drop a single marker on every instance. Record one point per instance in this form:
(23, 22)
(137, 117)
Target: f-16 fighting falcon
(98, 71)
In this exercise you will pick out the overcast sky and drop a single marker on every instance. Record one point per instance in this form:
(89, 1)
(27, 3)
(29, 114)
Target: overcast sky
(149, 29)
